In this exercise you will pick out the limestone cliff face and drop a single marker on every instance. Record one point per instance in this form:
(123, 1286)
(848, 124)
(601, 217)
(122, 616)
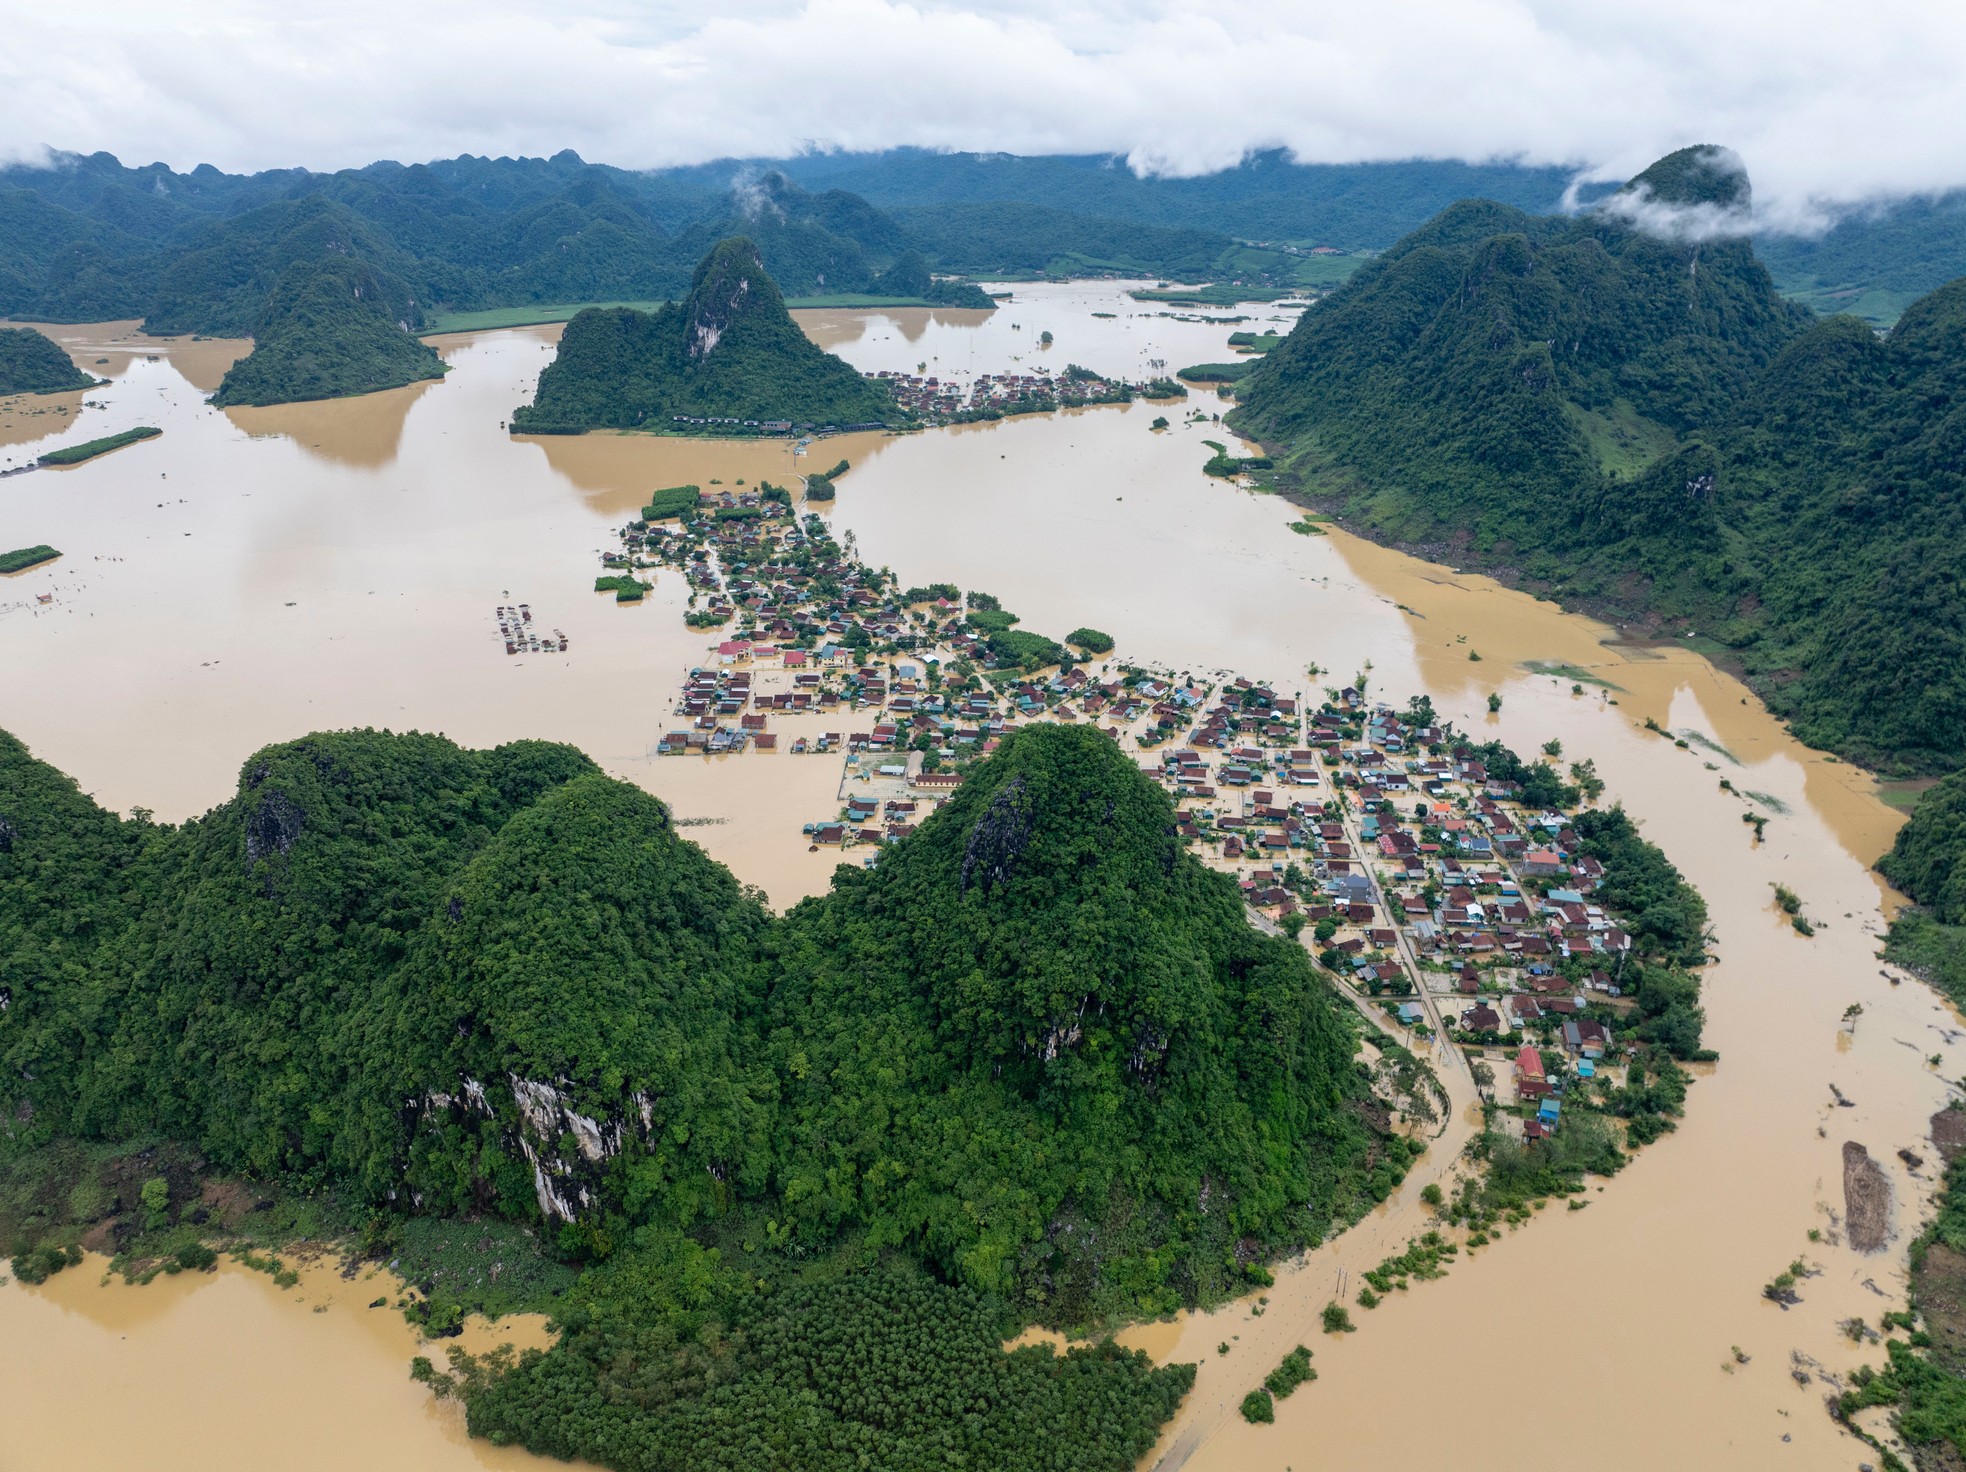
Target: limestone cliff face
(730, 283)
(567, 1150)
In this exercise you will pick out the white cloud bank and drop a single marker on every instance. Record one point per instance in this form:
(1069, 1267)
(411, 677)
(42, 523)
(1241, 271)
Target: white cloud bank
(1826, 105)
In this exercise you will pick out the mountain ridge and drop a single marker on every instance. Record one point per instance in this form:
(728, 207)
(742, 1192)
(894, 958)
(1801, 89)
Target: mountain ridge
(1640, 426)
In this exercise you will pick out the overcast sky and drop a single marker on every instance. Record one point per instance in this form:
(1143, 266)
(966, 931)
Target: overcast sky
(1825, 101)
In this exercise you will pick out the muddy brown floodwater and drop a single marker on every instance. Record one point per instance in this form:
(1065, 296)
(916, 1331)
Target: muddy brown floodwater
(309, 1378)
(252, 576)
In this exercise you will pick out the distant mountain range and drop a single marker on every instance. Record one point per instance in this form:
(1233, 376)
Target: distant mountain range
(90, 239)
(1645, 427)
(201, 252)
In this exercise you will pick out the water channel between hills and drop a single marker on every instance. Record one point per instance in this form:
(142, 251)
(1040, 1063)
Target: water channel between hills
(256, 574)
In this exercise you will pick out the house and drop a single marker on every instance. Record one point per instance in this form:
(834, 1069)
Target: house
(1588, 1038)
(1411, 1012)
(1547, 1111)
(1481, 1018)
(1528, 1065)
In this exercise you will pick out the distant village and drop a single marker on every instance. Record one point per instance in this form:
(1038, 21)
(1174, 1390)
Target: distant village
(1448, 905)
(934, 400)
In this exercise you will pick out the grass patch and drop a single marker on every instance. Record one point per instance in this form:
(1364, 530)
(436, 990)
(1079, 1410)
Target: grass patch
(89, 449)
(1218, 294)
(1773, 804)
(531, 315)
(1325, 270)
(22, 558)
(1574, 673)
(1706, 742)
(1905, 795)
(494, 1266)
(1931, 951)
(1624, 441)
(1877, 305)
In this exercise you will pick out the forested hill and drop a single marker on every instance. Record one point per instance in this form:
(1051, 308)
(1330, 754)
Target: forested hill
(31, 363)
(1642, 426)
(815, 1169)
(728, 350)
(327, 333)
(1928, 863)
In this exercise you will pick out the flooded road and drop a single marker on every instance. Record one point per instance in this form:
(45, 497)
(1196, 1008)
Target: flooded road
(254, 575)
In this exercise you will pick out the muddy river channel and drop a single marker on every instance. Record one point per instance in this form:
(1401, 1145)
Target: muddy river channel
(255, 574)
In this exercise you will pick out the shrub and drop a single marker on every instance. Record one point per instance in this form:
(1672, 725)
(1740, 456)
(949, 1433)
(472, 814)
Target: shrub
(1293, 1372)
(1258, 1408)
(625, 589)
(1092, 641)
(1337, 1318)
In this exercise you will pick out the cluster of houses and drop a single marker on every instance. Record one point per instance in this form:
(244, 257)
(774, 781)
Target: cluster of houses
(1425, 882)
(724, 425)
(522, 636)
(938, 400)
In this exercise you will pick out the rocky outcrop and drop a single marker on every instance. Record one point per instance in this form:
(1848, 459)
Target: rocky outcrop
(997, 839)
(1866, 1199)
(567, 1150)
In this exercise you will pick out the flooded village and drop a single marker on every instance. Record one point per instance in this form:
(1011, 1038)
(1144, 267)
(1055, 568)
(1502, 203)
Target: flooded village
(1444, 884)
(398, 524)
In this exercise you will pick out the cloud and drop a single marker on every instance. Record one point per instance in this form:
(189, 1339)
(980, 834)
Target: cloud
(1696, 195)
(1824, 110)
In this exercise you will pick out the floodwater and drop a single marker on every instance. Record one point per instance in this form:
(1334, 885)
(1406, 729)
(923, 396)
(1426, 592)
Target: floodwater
(245, 579)
(224, 1370)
